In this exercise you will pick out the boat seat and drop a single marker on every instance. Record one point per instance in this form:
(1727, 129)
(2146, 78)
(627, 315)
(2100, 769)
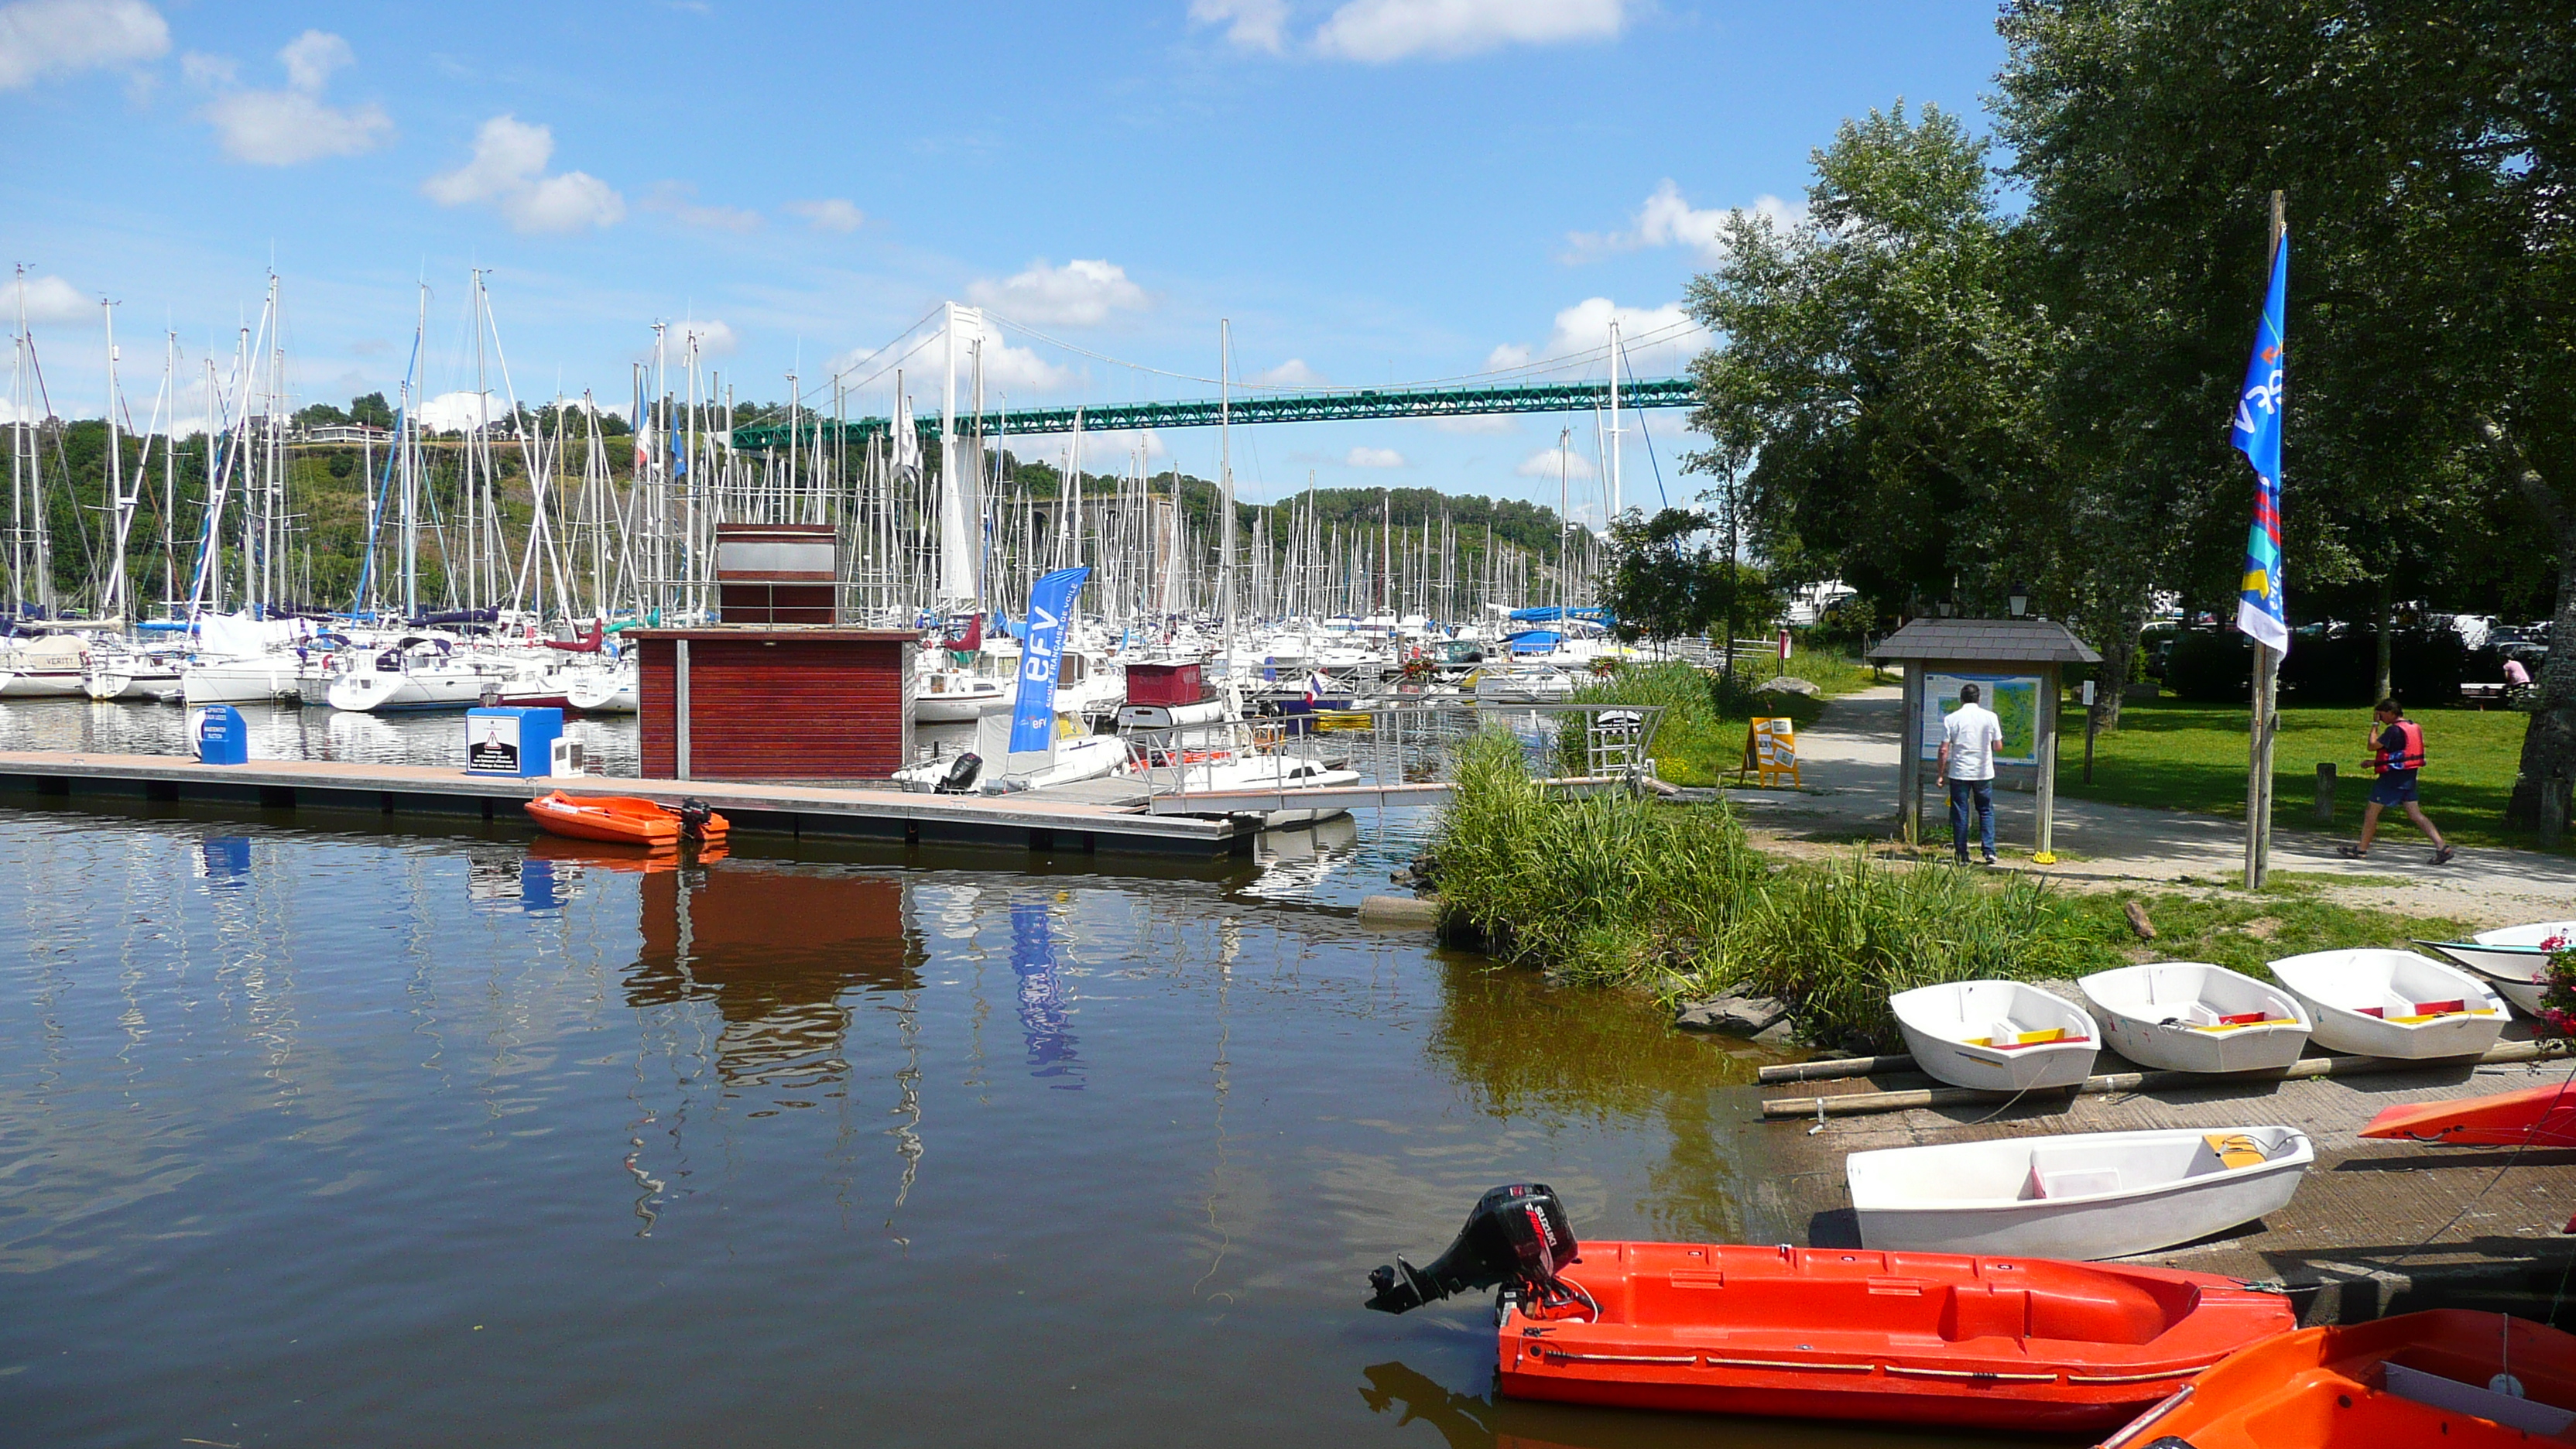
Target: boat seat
(2510, 1409)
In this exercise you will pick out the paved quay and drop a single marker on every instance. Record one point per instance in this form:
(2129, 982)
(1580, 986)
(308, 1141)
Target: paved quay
(1076, 819)
(2376, 1227)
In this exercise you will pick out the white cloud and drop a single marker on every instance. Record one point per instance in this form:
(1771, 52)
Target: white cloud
(52, 300)
(714, 339)
(1252, 24)
(1544, 464)
(1372, 458)
(1079, 293)
(457, 412)
(291, 126)
(1292, 373)
(59, 37)
(1008, 371)
(1653, 339)
(829, 214)
(1667, 219)
(1377, 31)
(678, 200)
(508, 171)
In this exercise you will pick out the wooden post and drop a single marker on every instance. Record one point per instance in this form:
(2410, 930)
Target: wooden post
(1909, 769)
(2325, 792)
(2047, 722)
(2553, 809)
(2267, 680)
(680, 708)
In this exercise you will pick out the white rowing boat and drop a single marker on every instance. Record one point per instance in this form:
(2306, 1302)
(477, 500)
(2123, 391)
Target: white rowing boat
(2512, 959)
(2380, 1003)
(2082, 1195)
(1999, 1036)
(2191, 1016)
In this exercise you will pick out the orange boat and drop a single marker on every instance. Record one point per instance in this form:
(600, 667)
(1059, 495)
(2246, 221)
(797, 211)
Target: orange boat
(2450, 1377)
(627, 820)
(2534, 1117)
(1925, 1338)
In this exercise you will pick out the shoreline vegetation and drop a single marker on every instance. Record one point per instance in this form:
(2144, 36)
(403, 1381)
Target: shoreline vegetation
(1627, 891)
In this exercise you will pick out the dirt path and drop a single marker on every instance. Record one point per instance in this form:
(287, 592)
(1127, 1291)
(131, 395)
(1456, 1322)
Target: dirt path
(1848, 761)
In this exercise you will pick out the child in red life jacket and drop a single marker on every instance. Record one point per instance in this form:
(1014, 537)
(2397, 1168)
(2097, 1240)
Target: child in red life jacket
(2397, 752)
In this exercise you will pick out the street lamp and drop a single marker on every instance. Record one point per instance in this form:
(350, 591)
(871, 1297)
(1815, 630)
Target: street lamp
(2018, 601)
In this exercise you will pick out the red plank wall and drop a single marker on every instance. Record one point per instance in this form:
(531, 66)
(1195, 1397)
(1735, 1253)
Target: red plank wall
(779, 704)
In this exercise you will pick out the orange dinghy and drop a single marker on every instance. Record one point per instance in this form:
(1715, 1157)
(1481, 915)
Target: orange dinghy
(2450, 1377)
(2533, 1117)
(626, 820)
(1929, 1338)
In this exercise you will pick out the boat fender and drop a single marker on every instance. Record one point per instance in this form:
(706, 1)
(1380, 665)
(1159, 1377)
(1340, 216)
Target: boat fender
(1517, 1235)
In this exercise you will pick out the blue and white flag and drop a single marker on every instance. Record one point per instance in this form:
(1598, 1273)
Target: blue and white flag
(2257, 434)
(1041, 655)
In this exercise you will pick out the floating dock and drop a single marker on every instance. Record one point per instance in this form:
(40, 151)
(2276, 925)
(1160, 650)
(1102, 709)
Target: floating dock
(1094, 817)
(2377, 1227)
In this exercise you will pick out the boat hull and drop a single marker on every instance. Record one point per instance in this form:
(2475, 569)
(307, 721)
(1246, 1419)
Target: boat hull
(1935, 1023)
(2543, 1116)
(2338, 989)
(2416, 1379)
(1928, 1338)
(2151, 1014)
(615, 820)
(2078, 1195)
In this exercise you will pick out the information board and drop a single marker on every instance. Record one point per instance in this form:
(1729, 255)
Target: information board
(2015, 699)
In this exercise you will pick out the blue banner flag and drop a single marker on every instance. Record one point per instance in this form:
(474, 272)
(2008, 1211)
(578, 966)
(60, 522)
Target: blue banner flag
(2257, 434)
(1041, 654)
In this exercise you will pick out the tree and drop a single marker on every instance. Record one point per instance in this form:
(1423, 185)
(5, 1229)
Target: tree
(319, 415)
(1878, 368)
(372, 410)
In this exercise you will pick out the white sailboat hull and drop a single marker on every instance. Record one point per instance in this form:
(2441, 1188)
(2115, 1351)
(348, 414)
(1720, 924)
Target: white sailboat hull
(2340, 990)
(1951, 1028)
(2171, 1015)
(2081, 1196)
(243, 681)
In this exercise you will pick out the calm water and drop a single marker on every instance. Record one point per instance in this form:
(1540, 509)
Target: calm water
(331, 1139)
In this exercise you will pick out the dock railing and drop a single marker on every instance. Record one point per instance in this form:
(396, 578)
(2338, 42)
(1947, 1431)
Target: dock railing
(1402, 754)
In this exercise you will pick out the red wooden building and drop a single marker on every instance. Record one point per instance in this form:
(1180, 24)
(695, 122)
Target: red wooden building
(781, 702)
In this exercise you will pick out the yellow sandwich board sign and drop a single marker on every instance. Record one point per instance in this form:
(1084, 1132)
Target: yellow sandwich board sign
(1771, 750)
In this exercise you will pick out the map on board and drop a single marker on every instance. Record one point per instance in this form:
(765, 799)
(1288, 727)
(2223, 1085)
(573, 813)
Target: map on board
(2013, 697)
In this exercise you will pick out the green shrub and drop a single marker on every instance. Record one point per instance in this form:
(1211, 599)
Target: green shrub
(1834, 944)
(1611, 887)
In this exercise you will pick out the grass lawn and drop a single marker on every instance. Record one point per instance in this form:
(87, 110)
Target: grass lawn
(2192, 757)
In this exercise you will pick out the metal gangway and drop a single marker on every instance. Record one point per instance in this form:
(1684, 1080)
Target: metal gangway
(1403, 755)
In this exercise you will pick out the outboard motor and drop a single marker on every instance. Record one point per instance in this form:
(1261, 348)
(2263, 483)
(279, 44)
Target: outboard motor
(1517, 1236)
(961, 775)
(694, 815)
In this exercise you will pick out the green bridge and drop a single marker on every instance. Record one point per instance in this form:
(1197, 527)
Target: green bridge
(1317, 407)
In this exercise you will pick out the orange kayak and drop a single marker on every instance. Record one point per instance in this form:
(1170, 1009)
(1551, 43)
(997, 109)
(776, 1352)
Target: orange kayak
(2533, 1117)
(624, 819)
(2419, 1378)
(1928, 1338)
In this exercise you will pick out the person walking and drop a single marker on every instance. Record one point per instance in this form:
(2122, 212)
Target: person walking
(2396, 752)
(1969, 738)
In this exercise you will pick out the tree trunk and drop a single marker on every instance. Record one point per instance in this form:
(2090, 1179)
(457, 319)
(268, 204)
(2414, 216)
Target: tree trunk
(2119, 647)
(2549, 741)
(2384, 689)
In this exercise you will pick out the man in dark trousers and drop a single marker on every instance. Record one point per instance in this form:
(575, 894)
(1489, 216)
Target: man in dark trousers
(2396, 752)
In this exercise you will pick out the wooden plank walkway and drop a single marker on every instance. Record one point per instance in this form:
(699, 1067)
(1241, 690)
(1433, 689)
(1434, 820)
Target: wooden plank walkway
(1043, 821)
(2376, 1228)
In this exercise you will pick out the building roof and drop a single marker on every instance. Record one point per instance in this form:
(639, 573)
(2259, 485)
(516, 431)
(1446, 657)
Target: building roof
(1985, 641)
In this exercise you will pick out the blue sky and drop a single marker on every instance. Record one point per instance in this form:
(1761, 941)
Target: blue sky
(1371, 190)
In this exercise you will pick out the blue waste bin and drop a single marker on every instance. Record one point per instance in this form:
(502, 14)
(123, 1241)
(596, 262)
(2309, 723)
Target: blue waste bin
(510, 741)
(216, 736)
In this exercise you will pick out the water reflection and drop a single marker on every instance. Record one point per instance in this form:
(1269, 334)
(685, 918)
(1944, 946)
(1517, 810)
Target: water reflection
(1043, 998)
(775, 949)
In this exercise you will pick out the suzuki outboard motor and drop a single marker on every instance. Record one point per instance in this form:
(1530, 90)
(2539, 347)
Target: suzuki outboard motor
(1517, 1236)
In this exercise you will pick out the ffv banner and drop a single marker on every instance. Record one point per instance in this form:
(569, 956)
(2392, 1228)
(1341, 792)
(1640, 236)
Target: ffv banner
(2257, 434)
(1041, 655)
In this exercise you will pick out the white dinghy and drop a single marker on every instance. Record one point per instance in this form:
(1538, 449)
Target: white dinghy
(1998, 1036)
(2083, 1195)
(2191, 1016)
(2380, 1003)
(2511, 958)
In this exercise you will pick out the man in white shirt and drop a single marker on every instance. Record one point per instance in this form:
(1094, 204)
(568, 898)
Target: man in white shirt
(1969, 738)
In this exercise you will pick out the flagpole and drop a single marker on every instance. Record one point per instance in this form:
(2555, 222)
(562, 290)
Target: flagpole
(2267, 680)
